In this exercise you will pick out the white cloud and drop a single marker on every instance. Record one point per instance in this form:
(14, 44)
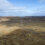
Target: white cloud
(6, 8)
(41, 1)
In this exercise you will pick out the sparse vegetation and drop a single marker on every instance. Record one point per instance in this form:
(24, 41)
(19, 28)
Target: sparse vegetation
(32, 32)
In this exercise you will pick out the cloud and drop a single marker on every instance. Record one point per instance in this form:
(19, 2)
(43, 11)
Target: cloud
(7, 9)
(41, 1)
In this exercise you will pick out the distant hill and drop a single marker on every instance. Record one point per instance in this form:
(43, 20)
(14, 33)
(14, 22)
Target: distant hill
(20, 20)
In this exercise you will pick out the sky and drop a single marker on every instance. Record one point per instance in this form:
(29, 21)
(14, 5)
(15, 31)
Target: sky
(22, 7)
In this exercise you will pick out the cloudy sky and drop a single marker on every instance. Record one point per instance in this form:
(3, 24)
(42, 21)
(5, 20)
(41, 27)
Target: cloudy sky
(22, 7)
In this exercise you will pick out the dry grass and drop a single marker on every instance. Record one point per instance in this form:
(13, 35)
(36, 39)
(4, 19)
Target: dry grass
(36, 28)
(23, 37)
(26, 34)
(4, 30)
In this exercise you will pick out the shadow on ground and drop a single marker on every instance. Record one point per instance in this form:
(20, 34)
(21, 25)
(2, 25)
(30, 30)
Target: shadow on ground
(23, 37)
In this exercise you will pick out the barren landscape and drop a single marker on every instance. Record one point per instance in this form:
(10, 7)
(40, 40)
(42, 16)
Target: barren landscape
(22, 30)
